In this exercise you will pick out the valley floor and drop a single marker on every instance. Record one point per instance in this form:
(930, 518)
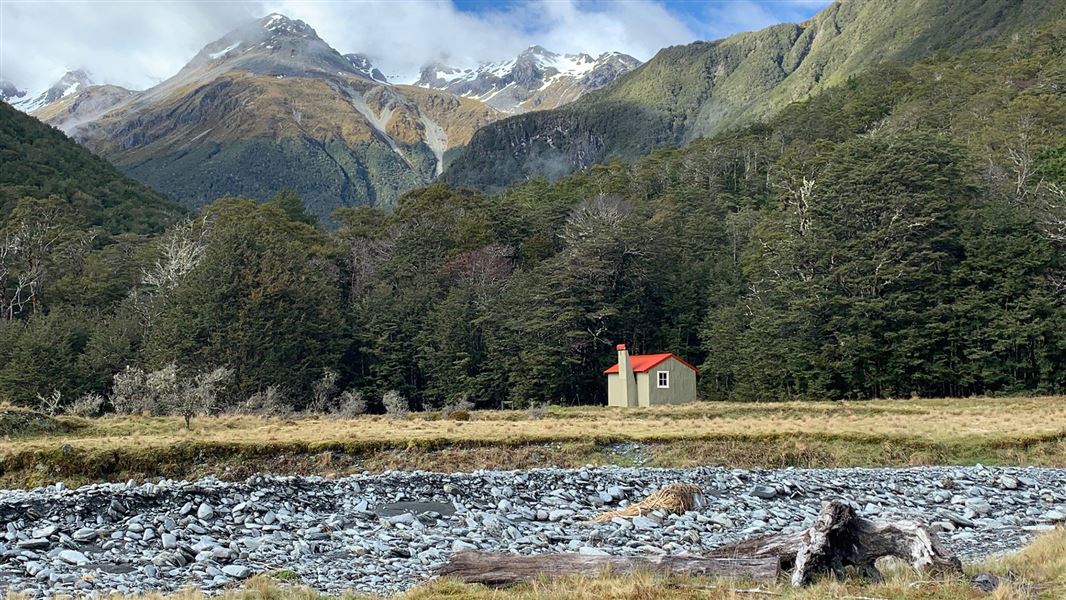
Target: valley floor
(335, 532)
(36, 450)
(387, 533)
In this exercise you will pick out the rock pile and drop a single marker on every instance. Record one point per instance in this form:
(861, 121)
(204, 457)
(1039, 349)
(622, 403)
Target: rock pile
(384, 533)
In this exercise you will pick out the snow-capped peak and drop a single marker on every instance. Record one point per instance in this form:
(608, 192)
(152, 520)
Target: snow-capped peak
(536, 78)
(70, 83)
(9, 92)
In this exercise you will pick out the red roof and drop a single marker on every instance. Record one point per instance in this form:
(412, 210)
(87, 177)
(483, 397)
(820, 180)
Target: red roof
(642, 363)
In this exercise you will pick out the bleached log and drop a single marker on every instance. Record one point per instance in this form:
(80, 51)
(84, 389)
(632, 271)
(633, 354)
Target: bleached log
(838, 539)
(500, 569)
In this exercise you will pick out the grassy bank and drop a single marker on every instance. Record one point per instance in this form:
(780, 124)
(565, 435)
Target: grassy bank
(1008, 431)
(1037, 572)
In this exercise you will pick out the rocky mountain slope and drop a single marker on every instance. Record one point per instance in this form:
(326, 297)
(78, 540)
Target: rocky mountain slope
(700, 89)
(69, 84)
(10, 93)
(537, 79)
(271, 106)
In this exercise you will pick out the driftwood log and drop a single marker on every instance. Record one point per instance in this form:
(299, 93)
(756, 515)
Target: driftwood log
(498, 569)
(839, 538)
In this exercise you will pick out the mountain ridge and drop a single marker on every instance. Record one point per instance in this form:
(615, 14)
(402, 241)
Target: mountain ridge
(700, 89)
(537, 79)
(272, 106)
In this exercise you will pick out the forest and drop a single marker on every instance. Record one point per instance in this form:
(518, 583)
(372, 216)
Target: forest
(903, 234)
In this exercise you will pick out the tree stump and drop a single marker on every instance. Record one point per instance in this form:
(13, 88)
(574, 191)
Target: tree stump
(838, 539)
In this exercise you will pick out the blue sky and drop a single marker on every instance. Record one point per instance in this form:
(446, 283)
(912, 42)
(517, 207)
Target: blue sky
(708, 19)
(137, 44)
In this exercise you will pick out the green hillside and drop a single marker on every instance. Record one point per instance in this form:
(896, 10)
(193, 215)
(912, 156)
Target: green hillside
(38, 161)
(691, 91)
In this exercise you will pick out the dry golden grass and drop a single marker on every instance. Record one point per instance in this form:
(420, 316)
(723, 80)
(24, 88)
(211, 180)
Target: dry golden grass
(1038, 571)
(883, 432)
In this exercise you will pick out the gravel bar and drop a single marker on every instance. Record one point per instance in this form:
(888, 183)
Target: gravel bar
(384, 533)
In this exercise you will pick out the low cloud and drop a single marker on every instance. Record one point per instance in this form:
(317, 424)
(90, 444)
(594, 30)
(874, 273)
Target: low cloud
(138, 44)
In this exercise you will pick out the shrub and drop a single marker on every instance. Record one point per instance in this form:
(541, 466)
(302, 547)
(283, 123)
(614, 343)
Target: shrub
(90, 404)
(269, 402)
(458, 415)
(164, 392)
(350, 404)
(50, 404)
(459, 411)
(396, 406)
(536, 413)
(323, 391)
(201, 397)
(129, 391)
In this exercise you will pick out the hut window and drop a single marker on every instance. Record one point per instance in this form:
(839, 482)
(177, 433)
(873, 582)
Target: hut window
(664, 379)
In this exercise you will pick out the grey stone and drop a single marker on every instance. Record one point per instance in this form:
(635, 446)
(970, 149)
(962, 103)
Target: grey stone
(559, 514)
(73, 557)
(763, 491)
(206, 512)
(237, 571)
(642, 522)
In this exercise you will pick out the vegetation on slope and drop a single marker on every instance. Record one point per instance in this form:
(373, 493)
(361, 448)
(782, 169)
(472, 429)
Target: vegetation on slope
(706, 88)
(38, 162)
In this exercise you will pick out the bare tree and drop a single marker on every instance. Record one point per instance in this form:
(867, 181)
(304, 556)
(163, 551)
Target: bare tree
(484, 269)
(364, 255)
(180, 250)
(201, 396)
(29, 246)
(595, 217)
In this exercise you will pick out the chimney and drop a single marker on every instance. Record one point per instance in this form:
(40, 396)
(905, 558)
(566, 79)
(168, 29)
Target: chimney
(625, 376)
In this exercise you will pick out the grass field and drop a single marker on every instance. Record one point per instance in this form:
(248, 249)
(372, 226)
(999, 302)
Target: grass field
(1037, 572)
(1018, 431)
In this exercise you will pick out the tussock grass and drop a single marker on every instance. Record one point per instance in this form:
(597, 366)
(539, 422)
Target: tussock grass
(1038, 571)
(1016, 431)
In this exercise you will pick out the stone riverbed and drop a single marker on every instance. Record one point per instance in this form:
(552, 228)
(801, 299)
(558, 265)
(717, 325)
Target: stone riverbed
(384, 533)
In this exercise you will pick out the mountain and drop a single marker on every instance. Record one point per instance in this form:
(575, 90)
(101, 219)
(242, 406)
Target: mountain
(70, 83)
(361, 63)
(700, 89)
(38, 161)
(90, 103)
(272, 106)
(536, 79)
(9, 92)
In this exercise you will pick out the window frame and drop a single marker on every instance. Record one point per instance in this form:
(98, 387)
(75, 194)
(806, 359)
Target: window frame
(662, 380)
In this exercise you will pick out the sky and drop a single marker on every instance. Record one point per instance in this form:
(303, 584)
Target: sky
(138, 43)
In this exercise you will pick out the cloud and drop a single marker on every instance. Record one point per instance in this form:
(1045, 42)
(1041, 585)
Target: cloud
(400, 37)
(139, 43)
(127, 43)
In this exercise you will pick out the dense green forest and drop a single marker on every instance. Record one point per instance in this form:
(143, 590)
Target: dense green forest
(903, 233)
